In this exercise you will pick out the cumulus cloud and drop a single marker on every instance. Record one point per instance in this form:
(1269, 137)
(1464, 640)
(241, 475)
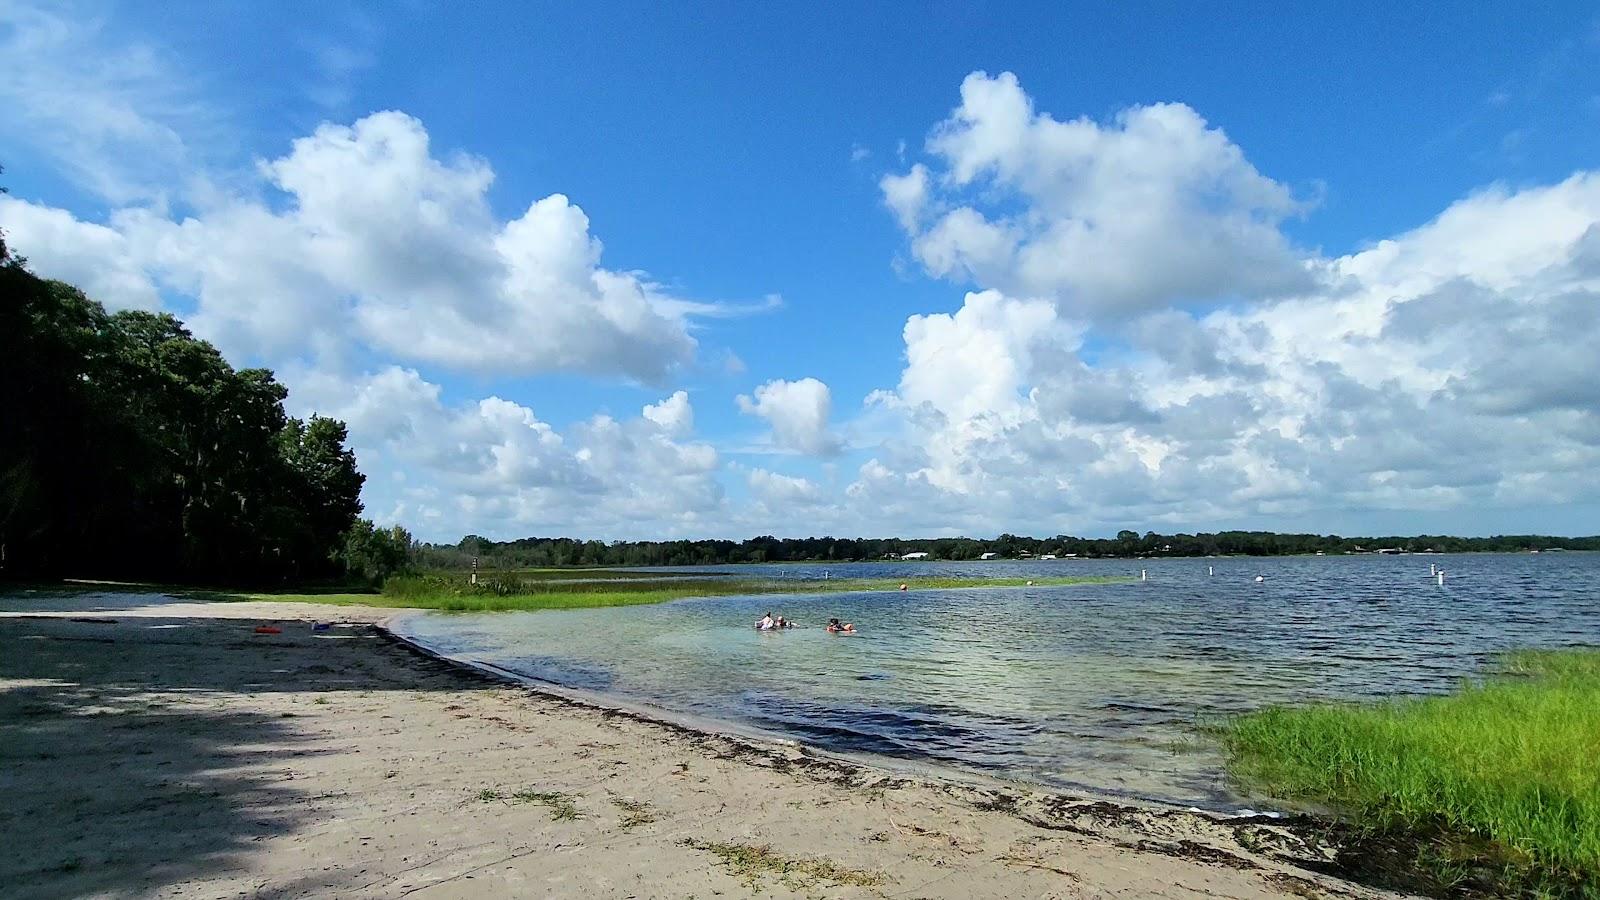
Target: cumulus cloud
(1153, 207)
(1446, 368)
(383, 240)
(97, 259)
(674, 414)
(782, 492)
(494, 467)
(798, 413)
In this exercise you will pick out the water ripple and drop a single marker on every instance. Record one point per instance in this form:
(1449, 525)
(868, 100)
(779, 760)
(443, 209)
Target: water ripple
(1098, 686)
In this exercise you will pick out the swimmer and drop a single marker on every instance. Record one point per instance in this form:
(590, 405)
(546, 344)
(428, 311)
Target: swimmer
(836, 627)
(766, 623)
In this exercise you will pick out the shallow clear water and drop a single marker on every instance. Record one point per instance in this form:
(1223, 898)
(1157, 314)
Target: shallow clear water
(1094, 686)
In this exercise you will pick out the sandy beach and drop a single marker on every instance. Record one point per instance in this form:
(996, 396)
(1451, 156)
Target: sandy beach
(150, 747)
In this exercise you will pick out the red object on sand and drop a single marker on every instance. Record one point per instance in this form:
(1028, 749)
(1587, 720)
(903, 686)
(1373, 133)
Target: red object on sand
(268, 629)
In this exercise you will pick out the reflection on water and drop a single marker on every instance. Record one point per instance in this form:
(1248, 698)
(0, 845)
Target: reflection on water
(1096, 686)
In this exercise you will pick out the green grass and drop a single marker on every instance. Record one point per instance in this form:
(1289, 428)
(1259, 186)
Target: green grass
(1498, 782)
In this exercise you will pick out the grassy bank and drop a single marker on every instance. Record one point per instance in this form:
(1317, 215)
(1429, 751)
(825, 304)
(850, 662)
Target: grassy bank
(1493, 789)
(518, 591)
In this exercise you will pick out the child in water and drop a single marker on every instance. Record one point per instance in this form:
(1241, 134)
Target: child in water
(835, 627)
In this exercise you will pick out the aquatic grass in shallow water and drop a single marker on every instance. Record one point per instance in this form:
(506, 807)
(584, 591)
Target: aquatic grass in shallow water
(498, 592)
(1500, 780)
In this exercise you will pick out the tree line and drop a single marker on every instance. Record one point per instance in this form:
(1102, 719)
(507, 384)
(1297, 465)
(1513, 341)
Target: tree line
(131, 449)
(541, 551)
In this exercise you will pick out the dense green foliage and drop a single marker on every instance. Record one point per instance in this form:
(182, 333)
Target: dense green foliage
(537, 551)
(1502, 774)
(129, 448)
(375, 554)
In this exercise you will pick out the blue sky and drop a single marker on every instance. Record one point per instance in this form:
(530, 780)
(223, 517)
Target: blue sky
(735, 154)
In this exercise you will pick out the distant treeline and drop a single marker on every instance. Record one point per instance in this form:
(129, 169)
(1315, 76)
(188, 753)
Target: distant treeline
(536, 551)
(131, 449)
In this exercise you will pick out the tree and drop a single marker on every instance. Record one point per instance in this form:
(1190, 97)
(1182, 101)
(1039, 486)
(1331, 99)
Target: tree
(322, 476)
(129, 447)
(373, 554)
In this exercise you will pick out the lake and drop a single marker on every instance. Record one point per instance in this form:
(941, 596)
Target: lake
(1096, 686)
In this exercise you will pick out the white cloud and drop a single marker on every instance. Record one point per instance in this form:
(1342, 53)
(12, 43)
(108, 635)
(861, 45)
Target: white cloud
(494, 467)
(111, 111)
(798, 413)
(782, 492)
(97, 259)
(385, 241)
(1152, 208)
(674, 414)
(1449, 368)
(907, 195)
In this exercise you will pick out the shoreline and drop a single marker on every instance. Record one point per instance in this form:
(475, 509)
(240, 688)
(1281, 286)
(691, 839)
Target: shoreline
(355, 763)
(709, 726)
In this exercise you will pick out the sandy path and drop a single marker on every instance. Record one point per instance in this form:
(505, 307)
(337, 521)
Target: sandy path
(175, 753)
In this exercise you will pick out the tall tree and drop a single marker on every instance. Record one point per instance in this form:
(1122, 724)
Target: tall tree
(130, 447)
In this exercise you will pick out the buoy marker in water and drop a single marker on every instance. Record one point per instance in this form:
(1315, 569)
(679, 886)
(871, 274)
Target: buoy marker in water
(1142, 576)
(1440, 576)
(1210, 570)
(1260, 578)
(1433, 569)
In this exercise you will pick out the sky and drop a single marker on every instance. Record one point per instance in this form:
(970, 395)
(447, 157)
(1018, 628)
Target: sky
(650, 271)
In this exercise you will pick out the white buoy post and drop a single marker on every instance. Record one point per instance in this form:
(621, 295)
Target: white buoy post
(1142, 576)
(1210, 570)
(1440, 576)
(1433, 569)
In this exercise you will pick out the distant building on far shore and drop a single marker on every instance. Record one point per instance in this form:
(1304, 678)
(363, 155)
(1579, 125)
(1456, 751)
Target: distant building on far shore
(918, 555)
(989, 556)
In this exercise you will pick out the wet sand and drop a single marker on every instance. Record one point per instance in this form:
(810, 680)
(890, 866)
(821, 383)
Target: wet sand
(156, 748)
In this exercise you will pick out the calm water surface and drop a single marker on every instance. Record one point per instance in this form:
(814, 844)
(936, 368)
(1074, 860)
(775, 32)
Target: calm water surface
(1087, 686)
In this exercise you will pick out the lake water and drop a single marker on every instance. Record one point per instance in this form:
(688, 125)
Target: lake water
(1096, 686)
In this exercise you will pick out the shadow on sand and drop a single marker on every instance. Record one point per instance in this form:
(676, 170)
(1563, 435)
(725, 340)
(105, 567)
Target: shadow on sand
(126, 761)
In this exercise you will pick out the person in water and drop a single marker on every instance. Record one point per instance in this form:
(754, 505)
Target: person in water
(784, 623)
(836, 627)
(766, 623)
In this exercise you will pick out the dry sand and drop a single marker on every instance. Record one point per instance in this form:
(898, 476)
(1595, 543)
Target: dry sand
(173, 752)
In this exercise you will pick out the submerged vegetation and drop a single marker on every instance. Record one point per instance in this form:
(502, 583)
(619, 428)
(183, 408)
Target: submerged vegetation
(1494, 788)
(568, 589)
